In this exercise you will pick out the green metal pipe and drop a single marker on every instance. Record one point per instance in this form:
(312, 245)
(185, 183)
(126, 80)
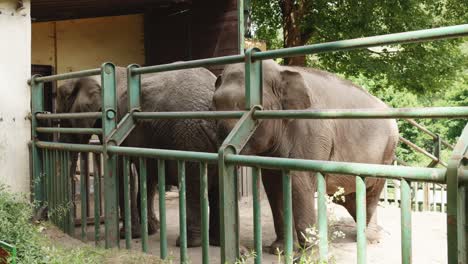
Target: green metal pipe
(257, 213)
(189, 64)
(189, 115)
(421, 112)
(143, 205)
(288, 218)
(428, 132)
(126, 187)
(162, 208)
(361, 220)
(85, 115)
(69, 130)
(60, 191)
(55, 186)
(422, 151)
(71, 75)
(97, 197)
(69, 147)
(204, 212)
(322, 217)
(84, 195)
(367, 42)
(372, 170)
(182, 213)
(164, 154)
(405, 222)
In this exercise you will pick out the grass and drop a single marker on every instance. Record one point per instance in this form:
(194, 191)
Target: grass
(17, 229)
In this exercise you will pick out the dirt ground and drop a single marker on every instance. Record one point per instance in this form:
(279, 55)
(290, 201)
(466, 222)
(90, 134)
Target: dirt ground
(429, 235)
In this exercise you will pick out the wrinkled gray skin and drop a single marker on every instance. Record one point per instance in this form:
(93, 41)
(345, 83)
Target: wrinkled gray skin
(291, 88)
(183, 90)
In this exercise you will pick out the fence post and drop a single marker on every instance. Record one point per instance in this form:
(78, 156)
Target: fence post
(37, 106)
(109, 115)
(456, 202)
(233, 144)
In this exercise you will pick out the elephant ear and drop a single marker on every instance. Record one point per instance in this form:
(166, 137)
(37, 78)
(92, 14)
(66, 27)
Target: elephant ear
(294, 93)
(64, 92)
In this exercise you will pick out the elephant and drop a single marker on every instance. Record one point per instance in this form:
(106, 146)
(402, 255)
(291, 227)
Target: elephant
(180, 90)
(347, 140)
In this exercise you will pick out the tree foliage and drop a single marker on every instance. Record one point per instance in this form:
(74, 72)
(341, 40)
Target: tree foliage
(434, 63)
(409, 75)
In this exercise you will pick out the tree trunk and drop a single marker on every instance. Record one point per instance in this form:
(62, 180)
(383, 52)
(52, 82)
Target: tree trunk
(292, 15)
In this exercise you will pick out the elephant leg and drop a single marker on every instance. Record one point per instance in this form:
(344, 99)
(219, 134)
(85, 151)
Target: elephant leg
(372, 199)
(193, 205)
(273, 189)
(303, 190)
(151, 182)
(134, 214)
(213, 197)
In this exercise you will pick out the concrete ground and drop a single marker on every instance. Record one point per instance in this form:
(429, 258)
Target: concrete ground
(429, 235)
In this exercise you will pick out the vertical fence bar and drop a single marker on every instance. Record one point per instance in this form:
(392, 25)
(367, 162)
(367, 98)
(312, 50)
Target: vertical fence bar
(416, 197)
(71, 219)
(288, 220)
(361, 220)
(162, 207)
(434, 202)
(143, 205)
(62, 190)
(385, 192)
(97, 197)
(240, 25)
(406, 250)
(37, 106)
(456, 203)
(126, 183)
(322, 217)
(109, 112)
(182, 213)
(442, 200)
(84, 196)
(204, 213)
(257, 213)
(47, 177)
(53, 188)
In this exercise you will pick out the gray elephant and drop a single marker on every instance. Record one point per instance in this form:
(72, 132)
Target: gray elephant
(359, 140)
(182, 90)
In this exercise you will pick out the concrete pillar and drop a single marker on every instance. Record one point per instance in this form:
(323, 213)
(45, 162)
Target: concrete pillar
(15, 70)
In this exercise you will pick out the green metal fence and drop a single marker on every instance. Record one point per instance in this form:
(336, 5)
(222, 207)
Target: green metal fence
(52, 182)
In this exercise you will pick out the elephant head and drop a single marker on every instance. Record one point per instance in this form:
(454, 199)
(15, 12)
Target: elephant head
(79, 96)
(283, 89)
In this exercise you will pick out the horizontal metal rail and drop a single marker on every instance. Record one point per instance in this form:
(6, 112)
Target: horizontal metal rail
(429, 112)
(422, 151)
(428, 132)
(370, 113)
(85, 115)
(189, 115)
(69, 130)
(70, 75)
(371, 170)
(367, 42)
(69, 147)
(189, 64)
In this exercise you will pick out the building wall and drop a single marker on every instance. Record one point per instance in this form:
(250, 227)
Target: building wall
(15, 70)
(79, 44)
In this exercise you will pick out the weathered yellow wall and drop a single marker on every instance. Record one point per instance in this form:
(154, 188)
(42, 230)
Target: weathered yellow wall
(42, 43)
(86, 43)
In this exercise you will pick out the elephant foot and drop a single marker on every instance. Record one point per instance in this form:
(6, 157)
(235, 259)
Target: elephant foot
(374, 234)
(153, 226)
(136, 232)
(192, 241)
(277, 247)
